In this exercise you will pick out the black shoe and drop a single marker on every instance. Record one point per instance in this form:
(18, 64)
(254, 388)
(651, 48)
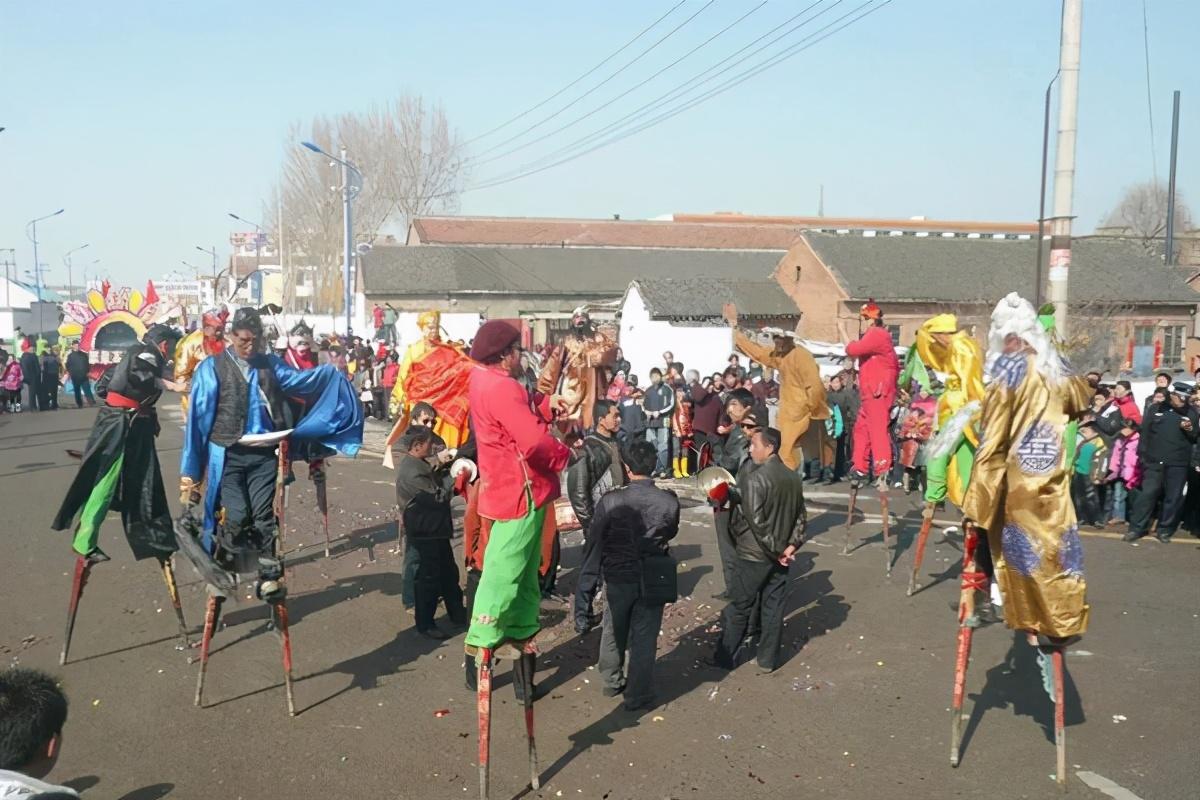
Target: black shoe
(608, 691)
(437, 634)
(1132, 536)
(97, 556)
(715, 663)
(640, 705)
(1165, 538)
(858, 479)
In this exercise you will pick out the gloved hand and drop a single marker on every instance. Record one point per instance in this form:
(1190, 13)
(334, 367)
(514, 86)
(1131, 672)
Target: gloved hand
(461, 483)
(189, 493)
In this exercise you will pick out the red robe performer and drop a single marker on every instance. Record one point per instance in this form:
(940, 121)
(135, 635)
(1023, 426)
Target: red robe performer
(878, 369)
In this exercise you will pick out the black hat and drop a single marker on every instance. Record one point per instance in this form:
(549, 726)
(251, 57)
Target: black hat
(301, 328)
(247, 319)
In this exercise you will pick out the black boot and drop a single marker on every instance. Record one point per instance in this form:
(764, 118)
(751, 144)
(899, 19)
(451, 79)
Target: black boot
(471, 673)
(528, 666)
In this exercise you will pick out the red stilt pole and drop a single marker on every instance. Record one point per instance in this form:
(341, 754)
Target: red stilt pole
(318, 477)
(173, 589)
(971, 580)
(1060, 733)
(211, 615)
(849, 520)
(82, 567)
(483, 699)
(922, 537)
(285, 638)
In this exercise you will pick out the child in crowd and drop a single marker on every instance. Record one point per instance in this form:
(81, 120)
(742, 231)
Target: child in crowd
(681, 432)
(33, 710)
(915, 430)
(367, 396)
(1124, 472)
(1090, 460)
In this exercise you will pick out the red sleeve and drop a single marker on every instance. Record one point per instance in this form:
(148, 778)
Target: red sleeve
(536, 445)
(871, 344)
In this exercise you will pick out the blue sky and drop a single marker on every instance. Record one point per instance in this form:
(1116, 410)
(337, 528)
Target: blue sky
(149, 120)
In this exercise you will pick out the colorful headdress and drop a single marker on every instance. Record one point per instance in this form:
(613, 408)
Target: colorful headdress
(215, 317)
(870, 310)
(1016, 316)
(301, 328)
(428, 318)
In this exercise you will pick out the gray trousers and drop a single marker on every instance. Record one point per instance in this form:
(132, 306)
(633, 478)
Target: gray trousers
(726, 548)
(628, 643)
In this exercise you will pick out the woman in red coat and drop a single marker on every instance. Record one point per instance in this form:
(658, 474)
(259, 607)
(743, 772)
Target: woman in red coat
(878, 370)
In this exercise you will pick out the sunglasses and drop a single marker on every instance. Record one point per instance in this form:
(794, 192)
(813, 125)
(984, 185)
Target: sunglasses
(748, 425)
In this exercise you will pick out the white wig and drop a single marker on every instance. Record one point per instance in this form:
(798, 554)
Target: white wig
(1015, 315)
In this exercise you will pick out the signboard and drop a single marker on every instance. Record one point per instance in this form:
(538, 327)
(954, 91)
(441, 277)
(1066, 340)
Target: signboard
(248, 239)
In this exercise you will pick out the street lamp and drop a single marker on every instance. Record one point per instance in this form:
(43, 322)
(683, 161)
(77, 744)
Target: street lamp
(349, 191)
(85, 269)
(257, 237)
(67, 262)
(37, 269)
(212, 253)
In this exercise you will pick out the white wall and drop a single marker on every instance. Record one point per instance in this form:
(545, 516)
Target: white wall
(643, 341)
(455, 326)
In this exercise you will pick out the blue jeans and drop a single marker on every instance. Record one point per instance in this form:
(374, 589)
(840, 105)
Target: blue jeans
(661, 439)
(1119, 495)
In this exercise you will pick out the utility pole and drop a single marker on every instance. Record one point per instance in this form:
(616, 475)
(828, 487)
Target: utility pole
(1171, 183)
(10, 260)
(1064, 160)
(348, 233)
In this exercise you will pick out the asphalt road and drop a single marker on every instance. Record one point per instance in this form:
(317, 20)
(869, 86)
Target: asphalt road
(860, 710)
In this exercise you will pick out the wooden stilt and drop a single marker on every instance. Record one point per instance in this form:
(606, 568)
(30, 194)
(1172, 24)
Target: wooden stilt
(883, 510)
(281, 620)
(922, 537)
(318, 478)
(82, 567)
(971, 580)
(527, 666)
(849, 520)
(1060, 734)
(211, 615)
(168, 572)
(483, 699)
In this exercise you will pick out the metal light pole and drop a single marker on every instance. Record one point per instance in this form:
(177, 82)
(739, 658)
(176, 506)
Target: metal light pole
(349, 191)
(9, 261)
(67, 262)
(212, 253)
(257, 236)
(1171, 183)
(37, 268)
(1064, 160)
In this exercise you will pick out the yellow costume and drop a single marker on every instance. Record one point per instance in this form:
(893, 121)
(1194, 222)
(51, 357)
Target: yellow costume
(961, 360)
(1020, 486)
(801, 393)
(191, 350)
(434, 372)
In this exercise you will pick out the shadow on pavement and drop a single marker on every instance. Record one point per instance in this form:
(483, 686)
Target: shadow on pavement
(152, 792)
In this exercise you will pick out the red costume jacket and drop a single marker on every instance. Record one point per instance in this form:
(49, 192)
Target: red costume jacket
(878, 366)
(514, 442)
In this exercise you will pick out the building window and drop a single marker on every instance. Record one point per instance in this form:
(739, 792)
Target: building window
(894, 332)
(1173, 339)
(1143, 336)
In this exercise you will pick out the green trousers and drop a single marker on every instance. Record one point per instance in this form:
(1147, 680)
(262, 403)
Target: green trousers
(509, 597)
(96, 508)
(937, 471)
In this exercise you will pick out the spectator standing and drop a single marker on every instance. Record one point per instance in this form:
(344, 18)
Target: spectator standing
(632, 527)
(1089, 449)
(1161, 381)
(33, 711)
(768, 521)
(844, 396)
(659, 404)
(622, 364)
(735, 454)
(78, 367)
(633, 416)
(595, 470)
(1168, 432)
(389, 324)
(10, 383)
(1122, 393)
(734, 363)
(390, 370)
(51, 367)
(1124, 472)
(682, 439)
(31, 374)
(706, 416)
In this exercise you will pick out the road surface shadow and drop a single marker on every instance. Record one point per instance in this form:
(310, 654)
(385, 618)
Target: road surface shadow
(1017, 681)
(152, 792)
(366, 669)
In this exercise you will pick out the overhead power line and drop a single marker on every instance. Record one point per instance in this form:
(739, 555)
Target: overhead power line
(621, 69)
(790, 52)
(607, 58)
(1149, 96)
(623, 94)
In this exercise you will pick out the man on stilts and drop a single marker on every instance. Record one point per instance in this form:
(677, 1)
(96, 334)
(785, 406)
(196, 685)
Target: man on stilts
(120, 472)
(300, 355)
(520, 463)
(239, 413)
(878, 369)
(1019, 498)
(943, 347)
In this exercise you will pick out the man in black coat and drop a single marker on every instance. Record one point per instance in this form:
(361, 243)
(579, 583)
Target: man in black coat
(595, 470)
(768, 523)
(1169, 430)
(31, 376)
(632, 524)
(48, 400)
(734, 455)
(424, 502)
(78, 366)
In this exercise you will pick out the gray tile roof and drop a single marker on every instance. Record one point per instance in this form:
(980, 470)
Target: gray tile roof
(432, 269)
(937, 269)
(676, 298)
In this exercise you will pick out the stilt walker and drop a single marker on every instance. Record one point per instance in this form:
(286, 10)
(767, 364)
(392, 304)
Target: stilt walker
(239, 423)
(1019, 494)
(943, 347)
(522, 462)
(119, 471)
(878, 369)
(300, 355)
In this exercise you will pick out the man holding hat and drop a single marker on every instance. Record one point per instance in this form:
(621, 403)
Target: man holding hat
(520, 462)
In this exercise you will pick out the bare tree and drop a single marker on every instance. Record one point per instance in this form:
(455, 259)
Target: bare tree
(412, 164)
(1142, 212)
(1096, 338)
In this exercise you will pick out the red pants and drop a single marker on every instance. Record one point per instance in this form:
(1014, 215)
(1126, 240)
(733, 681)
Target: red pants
(872, 441)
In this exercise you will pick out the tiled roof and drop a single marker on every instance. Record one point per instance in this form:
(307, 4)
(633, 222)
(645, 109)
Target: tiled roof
(862, 223)
(1103, 269)
(401, 270)
(600, 233)
(675, 298)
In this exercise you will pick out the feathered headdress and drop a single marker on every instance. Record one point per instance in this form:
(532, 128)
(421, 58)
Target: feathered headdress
(870, 310)
(1016, 316)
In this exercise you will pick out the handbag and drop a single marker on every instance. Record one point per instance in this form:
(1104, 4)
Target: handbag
(660, 580)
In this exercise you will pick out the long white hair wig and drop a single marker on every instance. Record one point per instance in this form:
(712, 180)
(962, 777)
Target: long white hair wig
(1016, 316)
